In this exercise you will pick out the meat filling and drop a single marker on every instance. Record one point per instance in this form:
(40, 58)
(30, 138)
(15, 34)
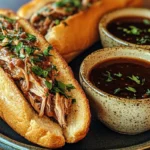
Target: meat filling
(33, 72)
(54, 13)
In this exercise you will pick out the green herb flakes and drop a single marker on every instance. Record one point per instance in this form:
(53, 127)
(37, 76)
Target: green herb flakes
(35, 59)
(60, 87)
(131, 89)
(134, 30)
(18, 48)
(31, 37)
(118, 74)
(2, 37)
(8, 19)
(117, 90)
(48, 84)
(135, 79)
(29, 50)
(148, 92)
(109, 77)
(39, 71)
(146, 21)
(69, 87)
(57, 21)
(47, 50)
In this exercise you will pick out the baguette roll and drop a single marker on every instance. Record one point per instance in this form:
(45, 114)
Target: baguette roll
(20, 114)
(78, 31)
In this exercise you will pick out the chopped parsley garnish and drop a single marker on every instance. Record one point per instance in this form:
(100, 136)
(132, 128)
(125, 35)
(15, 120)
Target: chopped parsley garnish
(68, 9)
(135, 79)
(134, 30)
(25, 45)
(39, 71)
(117, 90)
(68, 3)
(2, 37)
(18, 48)
(29, 50)
(36, 59)
(48, 84)
(31, 37)
(47, 50)
(143, 40)
(148, 92)
(60, 87)
(118, 74)
(131, 89)
(146, 21)
(57, 21)
(131, 30)
(7, 18)
(69, 87)
(109, 77)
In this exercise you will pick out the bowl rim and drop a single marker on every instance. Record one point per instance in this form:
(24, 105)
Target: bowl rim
(100, 92)
(103, 23)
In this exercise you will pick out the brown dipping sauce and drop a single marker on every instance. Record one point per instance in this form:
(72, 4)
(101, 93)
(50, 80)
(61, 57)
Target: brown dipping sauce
(131, 29)
(123, 77)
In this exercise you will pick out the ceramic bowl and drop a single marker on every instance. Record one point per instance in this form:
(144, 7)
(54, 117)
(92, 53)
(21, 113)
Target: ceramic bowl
(128, 116)
(110, 40)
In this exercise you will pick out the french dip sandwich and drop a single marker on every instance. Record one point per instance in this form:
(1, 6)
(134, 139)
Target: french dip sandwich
(39, 97)
(71, 26)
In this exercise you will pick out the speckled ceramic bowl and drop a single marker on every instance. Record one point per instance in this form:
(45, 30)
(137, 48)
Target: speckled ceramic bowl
(128, 116)
(110, 40)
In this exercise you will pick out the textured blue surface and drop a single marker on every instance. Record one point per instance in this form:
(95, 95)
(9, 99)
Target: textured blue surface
(13, 4)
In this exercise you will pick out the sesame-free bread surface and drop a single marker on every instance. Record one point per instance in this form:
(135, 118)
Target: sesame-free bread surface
(82, 28)
(20, 116)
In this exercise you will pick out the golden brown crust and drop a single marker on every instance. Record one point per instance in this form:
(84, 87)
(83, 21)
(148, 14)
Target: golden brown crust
(16, 111)
(9, 13)
(33, 6)
(82, 28)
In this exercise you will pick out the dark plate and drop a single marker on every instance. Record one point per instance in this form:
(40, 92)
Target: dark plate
(99, 136)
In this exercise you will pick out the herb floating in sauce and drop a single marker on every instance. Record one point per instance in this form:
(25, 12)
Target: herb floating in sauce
(123, 77)
(109, 77)
(118, 74)
(135, 79)
(131, 89)
(131, 29)
(32, 70)
(148, 92)
(146, 21)
(117, 90)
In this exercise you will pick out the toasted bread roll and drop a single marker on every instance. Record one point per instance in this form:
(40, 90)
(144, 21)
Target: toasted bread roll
(16, 108)
(79, 30)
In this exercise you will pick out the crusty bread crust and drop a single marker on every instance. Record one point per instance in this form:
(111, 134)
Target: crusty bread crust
(16, 111)
(33, 7)
(82, 28)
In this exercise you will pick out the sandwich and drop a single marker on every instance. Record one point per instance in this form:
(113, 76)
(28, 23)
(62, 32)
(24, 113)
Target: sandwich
(39, 97)
(70, 26)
